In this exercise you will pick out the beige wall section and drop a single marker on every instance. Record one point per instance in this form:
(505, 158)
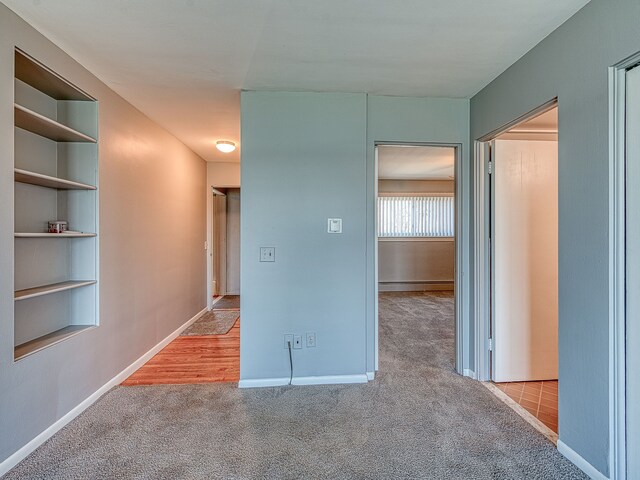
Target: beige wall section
(416, 186)
(225, 175)
(152, 260)
(415, 264)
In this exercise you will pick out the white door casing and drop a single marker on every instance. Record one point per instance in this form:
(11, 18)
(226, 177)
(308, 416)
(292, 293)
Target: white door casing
(632, 136)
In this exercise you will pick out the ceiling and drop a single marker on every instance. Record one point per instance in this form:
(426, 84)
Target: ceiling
(184, 62)
(416, 163)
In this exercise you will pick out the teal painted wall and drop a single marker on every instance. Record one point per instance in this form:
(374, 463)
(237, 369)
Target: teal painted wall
(303, 161)
(414, 120)
(307, 157)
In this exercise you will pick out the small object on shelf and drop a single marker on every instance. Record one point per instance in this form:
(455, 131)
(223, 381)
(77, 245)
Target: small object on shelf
(57, 226)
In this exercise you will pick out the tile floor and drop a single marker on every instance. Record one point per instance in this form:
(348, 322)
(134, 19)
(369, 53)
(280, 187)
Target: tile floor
(538, 398)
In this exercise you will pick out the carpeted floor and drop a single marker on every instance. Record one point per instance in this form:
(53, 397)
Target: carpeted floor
(213, 323)
(418, 419)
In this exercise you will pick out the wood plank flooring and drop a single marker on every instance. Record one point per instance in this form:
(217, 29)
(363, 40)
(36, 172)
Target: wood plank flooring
(193, 359)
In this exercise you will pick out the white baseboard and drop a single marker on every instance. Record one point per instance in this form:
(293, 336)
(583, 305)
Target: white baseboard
(371, 375)
(23, 452)
(263, 382)
(320, 380)
(580, 462)
(467, 372)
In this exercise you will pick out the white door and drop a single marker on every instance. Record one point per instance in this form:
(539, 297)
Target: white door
(633, 274)
(525, 260)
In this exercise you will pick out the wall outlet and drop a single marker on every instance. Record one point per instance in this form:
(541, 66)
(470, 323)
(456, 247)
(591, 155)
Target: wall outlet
(267, 254)
(297, 341)
(311, 339)
(288, 338)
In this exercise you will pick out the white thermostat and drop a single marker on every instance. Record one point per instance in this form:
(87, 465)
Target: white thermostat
(334, 225)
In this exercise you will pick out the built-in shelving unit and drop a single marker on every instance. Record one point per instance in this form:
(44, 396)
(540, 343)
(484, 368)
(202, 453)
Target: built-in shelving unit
(32, 178)
(54, 235)
(49, 289)
(55, 173)
(48, 340)
(45, 127)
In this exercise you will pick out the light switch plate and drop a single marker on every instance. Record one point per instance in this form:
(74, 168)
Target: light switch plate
(267, 254)
(334, 225)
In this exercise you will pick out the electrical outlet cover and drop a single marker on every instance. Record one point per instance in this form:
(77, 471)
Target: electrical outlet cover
(267, 254)
(311, 339)
(297, 341)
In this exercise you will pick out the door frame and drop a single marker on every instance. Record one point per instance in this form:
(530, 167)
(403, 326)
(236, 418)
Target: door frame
(459, 247)
(617, 265)
(482, 242)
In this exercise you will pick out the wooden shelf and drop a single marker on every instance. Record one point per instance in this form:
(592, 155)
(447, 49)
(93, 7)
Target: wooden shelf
(48, 340)
(33, 178)
(32, 72)
(45, 127)
(49, 289)
(53, 235)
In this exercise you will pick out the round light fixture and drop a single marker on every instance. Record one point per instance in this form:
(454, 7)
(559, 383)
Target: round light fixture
(225, 146)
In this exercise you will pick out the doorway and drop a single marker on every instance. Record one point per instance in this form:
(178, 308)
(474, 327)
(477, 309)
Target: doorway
(416, 230)
(225, 242)
(521, 241)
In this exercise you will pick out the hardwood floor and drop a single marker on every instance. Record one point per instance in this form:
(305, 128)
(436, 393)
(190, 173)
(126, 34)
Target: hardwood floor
(193, 359)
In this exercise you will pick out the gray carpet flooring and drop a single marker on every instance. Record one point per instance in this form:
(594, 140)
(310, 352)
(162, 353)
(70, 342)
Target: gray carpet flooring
(418, 419)
(213, 323)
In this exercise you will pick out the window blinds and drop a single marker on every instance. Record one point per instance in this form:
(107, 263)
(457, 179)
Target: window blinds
(416, 216)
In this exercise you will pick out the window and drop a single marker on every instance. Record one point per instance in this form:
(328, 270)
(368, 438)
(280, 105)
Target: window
(416, 216)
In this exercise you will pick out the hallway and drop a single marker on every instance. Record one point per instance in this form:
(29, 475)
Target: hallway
(417, 419)
(196, 358)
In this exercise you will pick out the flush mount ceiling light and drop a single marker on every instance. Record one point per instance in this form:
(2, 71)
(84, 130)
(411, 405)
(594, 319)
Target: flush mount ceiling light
(225, 146)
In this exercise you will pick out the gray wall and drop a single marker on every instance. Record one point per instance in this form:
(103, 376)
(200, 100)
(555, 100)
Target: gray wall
(298, 171)
(233, 241)
(572, 64)
(415, 264)
(151, 280)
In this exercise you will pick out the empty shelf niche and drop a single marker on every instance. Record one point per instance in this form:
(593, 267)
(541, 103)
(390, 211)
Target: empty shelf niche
(55, 174)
